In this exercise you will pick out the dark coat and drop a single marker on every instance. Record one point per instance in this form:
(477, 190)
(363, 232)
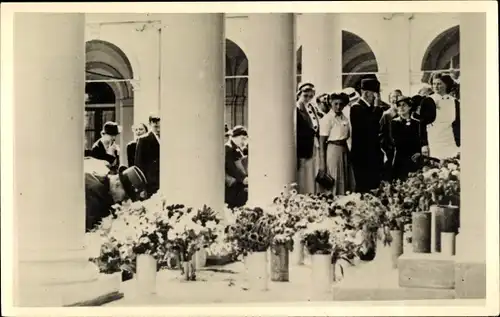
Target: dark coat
(366, 153)
(305, 135)
(386, 142)
(236, 193)
(98, 200)
(131, 147)
(98, 151)
(407, 138)
(147, 159)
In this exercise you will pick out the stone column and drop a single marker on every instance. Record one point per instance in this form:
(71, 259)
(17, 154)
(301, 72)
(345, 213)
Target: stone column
(471, 241)
(192, 109)
(271, 106)
(322, 51)
(52, 267)
(398, 53)
(126, 122)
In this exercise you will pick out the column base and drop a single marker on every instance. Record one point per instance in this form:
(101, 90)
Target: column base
(104, 289)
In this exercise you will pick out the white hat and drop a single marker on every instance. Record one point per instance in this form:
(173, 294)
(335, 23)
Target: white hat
(352, 93)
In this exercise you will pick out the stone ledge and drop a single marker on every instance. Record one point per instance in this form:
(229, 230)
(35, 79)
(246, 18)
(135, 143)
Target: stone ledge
(426, 270)
(92, 293)
(361, 293)
(470, 280)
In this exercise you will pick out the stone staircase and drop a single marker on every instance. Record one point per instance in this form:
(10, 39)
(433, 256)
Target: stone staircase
(419, 276)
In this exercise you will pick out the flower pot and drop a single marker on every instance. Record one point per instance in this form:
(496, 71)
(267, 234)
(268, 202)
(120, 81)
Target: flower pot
(421, 233)
(200, 259)
(321, 270)
(189, 270)
(146, 274)
(448, 243)
(436, 218)
(279, 263)
(396, 246)
(450, 218)
(257, 270)
(298, 252)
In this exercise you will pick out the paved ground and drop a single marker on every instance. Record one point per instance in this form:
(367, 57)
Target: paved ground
(229, 284)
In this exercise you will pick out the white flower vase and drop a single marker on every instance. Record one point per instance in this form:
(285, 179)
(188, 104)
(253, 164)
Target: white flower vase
(257, 269)
(322, 275)
(298, 253)
(146, 274)
(200, 259)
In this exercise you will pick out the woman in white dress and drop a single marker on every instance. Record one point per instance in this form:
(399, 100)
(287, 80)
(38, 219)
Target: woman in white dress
(444, 132)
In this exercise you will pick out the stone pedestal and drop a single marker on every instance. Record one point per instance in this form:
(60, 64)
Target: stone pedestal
(52, 267)
(322, 52)
(192, 109)
(470, 273)
(271, 163)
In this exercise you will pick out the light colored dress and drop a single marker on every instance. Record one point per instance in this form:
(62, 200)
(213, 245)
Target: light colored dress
(440, 133)
(337, 130)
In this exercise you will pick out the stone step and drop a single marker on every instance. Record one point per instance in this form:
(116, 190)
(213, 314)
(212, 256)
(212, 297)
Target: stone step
(377, 280)
(426, 270)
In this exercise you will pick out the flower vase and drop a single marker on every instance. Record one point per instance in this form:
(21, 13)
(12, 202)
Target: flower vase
(146, 274)
(189, 270)
(200, 258)
(279, 263)
(321, 265)
(396, 246)
(334, 270)
(257, 270)
(421, 232)
(298, 250)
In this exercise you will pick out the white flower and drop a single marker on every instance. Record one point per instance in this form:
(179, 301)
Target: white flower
(171, 235)
(452, 167)
(211, 225)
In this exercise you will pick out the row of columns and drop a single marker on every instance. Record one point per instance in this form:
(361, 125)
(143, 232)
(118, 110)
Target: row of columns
(49, 65)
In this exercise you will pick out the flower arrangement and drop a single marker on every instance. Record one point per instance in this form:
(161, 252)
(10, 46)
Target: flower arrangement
(251, 231)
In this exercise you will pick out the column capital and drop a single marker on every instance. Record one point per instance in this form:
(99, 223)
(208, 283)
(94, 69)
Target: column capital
(136, 85)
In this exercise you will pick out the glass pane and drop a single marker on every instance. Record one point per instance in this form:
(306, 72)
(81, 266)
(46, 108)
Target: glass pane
(236, 101)
(89, 139)
(89, 119)
(108, 115)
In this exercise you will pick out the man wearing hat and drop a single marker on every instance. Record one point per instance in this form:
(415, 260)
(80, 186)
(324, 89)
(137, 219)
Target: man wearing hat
(147, 154)
(103, 190)
(106, 148)
(236, 192)
(366, 153)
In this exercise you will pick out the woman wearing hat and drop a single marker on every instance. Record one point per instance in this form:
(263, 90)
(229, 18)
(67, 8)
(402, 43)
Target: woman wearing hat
(323, 103)
(236, 192)
(408, 137)
(444, 132)
(106, 148)
(334, 132)
(307, 134)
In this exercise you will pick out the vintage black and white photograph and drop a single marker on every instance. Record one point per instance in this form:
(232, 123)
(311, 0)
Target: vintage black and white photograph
(134, 184)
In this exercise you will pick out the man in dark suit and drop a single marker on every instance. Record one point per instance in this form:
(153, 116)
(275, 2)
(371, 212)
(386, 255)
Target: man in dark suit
(106, 148)
(139, 130)
(147, 155)
(102, 191)
(366, 153)
(236, 192)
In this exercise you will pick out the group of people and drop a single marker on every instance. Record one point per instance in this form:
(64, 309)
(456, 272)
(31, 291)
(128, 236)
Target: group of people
(345, 142)
(352, 140)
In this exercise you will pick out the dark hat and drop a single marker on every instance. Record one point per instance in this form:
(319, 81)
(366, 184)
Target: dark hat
(406, 100)
(425, 108)
(322, 98)
(306, 86)
(370, 84)
(154, 118)
(111, 128)
(344, 98)
(239, 131)
(133, 181)
(357, 86)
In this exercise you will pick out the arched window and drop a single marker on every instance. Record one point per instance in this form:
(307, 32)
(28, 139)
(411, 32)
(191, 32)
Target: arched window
(357, 59)
(443, 54)
(108, 72)
(236, 111)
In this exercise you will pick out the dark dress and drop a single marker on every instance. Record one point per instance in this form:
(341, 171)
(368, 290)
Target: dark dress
(131, 147)
(366, 153)
(408, 137)
(98, 151)
(147, 159)
(236, 193)
(386, 142)
(98, 200)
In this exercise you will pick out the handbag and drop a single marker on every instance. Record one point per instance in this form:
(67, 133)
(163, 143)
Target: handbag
(325, 180)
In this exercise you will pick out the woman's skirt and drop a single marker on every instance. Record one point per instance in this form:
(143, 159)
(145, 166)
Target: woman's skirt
(306, 177)
(339, 168)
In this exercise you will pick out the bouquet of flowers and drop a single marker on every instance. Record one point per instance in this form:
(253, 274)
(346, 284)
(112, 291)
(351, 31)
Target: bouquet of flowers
(251, 231)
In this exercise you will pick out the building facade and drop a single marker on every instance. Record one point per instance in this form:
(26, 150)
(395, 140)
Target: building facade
(123, 60)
